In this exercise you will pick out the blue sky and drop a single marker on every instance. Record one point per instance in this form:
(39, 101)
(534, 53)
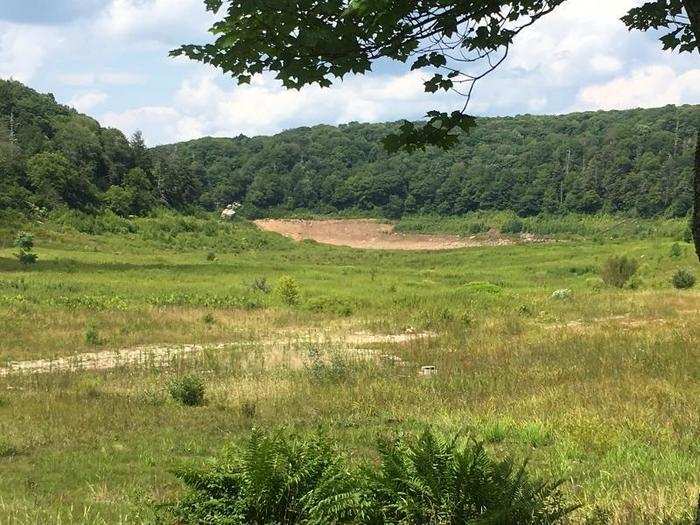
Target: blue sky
(109, 58)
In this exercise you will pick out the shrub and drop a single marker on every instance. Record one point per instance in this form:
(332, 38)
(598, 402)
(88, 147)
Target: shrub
(676, 251)
(513, 226)
(618, 270)
(431, 479)
(92, 336)
(24, 242)
(188, 390)
(288, 291)
(683, 279)
(261, 285)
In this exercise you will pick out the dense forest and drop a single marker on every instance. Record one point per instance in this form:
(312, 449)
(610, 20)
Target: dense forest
(637, 162)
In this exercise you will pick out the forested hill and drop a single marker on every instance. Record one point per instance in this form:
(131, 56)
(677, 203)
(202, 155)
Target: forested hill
(637, 161)
(51, 155)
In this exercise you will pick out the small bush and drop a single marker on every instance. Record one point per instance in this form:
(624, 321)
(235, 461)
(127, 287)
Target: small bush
(683, 279)
(24, 242)
(513, 226)
(261, 285)
(288, 290)
(92, 336)
(209, 319)
(676, 251)
(188, 390)
(211, 256)
(618, 270)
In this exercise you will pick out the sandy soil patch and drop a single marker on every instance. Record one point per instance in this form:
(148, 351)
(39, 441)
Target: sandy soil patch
(165, 355)
(371, 234)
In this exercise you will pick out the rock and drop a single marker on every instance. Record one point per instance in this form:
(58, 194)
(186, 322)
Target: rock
(428, 370)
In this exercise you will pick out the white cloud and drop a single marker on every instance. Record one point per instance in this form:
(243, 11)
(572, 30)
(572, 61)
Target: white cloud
(123, 78)
(605, 63)
(164, 21)
(154, 121)
(649, 86)
(84, 102)
(23, 50)
(203, 107)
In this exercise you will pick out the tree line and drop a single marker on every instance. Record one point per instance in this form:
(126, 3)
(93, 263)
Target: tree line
(638, 162)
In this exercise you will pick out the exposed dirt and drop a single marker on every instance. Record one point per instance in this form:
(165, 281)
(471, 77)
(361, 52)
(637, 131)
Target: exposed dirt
(370, 234)
(165, 355)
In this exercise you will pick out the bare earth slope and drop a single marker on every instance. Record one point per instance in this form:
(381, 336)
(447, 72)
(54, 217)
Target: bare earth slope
(366, 233)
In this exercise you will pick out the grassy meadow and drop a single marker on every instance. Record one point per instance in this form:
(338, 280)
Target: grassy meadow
(598, 386)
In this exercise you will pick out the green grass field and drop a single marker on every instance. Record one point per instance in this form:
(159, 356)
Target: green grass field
(601, 389)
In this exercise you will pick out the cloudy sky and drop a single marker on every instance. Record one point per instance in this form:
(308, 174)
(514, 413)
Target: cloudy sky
(109, 58)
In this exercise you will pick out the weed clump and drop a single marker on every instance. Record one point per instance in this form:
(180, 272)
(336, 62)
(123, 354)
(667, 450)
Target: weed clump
(288, 290)
(92, 336)
(261, 285)
(683, 279)
(24, 242)
(513, 226)
(7, 449)
(249, 409)
(188, 390)
(428, 479)
(617, 271)
(211, 256)
(326, 368)
(676, 251)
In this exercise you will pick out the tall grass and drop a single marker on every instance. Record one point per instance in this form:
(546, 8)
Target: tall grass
(570, 225)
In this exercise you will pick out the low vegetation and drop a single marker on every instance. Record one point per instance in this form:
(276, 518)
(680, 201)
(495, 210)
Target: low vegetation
(188, 390)
(617, 271)
(683, 279)
(430, 479)
(598, 388)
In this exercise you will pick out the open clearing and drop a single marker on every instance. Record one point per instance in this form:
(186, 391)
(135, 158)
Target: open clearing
(374, 235)
(599, 388)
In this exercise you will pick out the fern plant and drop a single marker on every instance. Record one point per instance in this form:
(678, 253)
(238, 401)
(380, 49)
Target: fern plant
(430, 480)
(435, 480)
